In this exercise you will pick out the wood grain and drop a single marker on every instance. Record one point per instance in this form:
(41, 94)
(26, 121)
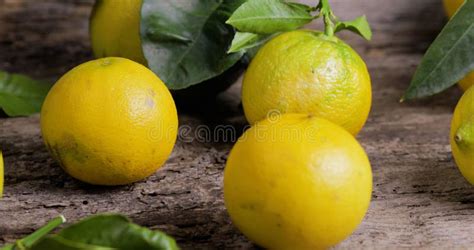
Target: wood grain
(420, 200)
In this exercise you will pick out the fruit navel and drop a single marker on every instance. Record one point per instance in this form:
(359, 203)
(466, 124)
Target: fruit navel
(464, 136)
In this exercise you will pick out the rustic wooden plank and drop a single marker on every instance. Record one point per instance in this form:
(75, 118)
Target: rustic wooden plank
(420, 200)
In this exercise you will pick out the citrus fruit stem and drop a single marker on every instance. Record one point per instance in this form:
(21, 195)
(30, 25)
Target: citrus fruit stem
(329, 27)
(327, 14)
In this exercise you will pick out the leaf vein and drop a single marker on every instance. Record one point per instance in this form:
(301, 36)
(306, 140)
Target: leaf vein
(194, 41)
(270, 17)
(446, 55)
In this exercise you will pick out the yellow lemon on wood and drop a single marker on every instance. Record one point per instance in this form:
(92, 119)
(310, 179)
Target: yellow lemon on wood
(109, 121)
(308, 72)
(115, 29)
(297, 182)
(451, 6)
(1, 174)
(462, 135)
(467, 82)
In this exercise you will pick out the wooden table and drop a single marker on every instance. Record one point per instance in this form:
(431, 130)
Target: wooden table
(420, 200)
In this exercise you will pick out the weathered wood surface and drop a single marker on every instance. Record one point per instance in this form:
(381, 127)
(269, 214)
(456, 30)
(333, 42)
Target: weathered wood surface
(420, 200)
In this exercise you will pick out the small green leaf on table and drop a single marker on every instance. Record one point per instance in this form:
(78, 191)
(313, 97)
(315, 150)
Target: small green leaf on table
(21, 95)
(448, 59)
(186, 42)
(106, 232)
(270, 16)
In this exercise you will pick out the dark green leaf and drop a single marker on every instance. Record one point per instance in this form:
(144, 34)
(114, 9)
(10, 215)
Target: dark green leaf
(107, 232)
(186, 42)
(449, 58)
(59, 243)
(244, 41)
(270, 16)
(251, 53)
(359, 26)
(21, 95)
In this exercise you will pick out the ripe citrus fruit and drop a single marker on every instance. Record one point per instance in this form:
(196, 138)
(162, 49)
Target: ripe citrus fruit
(297, 182)
(109, 121)
(451, 6)
(462, 135)
(1, 174)
(308, 72)
(115, 29)
(467, 82)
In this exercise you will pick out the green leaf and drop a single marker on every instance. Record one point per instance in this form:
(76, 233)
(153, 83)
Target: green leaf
(244, 41)
(38, 235)
(107, 232)
(448, 59)
(359, 26)
(21, 95)
(302, 6)
(59, 243)
(186, 42)
(251, 53)
(270, 16)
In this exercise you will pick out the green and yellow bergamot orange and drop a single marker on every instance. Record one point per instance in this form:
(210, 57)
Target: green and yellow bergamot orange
(462, 135)
(309, 72)
(115, 29)
(297, 182)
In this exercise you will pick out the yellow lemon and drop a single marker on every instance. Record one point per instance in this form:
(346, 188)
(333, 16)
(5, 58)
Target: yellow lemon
(297, 182)
(1, 174)
(109, 121)
(308, 72)
(467, 82)
(462, 135)
(451, 6)
(115, 29)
